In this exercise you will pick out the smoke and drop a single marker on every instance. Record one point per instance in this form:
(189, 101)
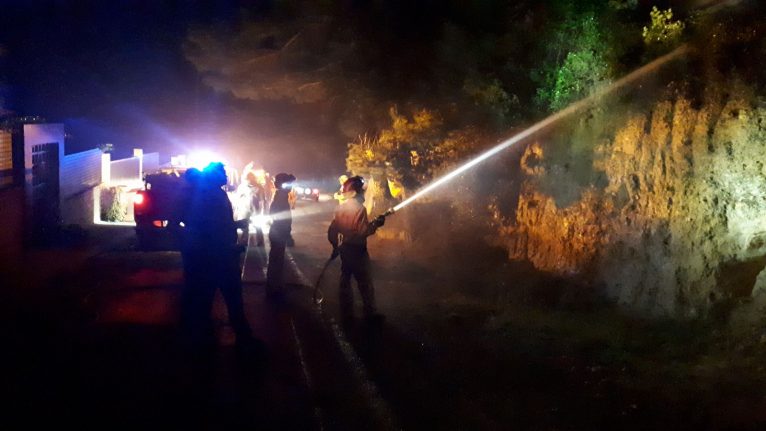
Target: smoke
(266, 61)
(283, 79)
(714, 5)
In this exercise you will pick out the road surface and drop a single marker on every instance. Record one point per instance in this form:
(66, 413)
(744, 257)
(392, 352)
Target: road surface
(91, 339)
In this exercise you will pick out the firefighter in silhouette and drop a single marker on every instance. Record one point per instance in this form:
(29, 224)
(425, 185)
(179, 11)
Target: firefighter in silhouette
(210, 259)
(348, 234)
(279, 235)
(267, 182)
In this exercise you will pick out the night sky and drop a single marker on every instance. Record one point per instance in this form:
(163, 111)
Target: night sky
(115, 71)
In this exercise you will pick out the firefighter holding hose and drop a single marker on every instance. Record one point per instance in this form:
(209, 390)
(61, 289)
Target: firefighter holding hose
(348, 234)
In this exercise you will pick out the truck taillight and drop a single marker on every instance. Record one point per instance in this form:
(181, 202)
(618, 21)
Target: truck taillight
(315, 191)
(138, 198)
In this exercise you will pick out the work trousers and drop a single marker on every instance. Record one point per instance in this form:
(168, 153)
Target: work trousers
(276, 268)
(355, 261)
(204, 272)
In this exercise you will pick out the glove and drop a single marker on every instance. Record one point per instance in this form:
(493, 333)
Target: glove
(335, 253)
(379, 221)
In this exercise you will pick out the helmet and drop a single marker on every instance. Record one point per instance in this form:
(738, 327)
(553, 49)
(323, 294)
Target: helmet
(283, 178)
(355, 184)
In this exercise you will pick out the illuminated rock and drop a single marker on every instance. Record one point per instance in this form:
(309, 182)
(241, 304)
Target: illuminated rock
(668, 205)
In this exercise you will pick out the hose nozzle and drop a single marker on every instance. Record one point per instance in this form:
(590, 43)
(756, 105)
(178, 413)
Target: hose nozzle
(381, 219)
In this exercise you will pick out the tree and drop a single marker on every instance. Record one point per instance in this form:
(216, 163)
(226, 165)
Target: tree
(623, 4)
(413, 150)
(490, 96)
(577, 63)
(663, 31)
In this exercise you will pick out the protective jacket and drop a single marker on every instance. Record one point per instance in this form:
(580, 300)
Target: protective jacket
(209, 221)
(280, 212)
(350, 225)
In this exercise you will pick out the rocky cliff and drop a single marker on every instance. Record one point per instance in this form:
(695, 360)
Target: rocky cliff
(664, 208)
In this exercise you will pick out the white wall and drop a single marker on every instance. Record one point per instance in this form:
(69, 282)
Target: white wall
(131, 171)
(151, 162)
(35, 134)
(126, 171)
(79, 174)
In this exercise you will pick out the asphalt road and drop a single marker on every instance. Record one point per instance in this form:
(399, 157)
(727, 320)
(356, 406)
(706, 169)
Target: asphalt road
(90, 339)
(97, 344)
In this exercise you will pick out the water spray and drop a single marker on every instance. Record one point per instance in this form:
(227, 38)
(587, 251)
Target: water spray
(540, 125)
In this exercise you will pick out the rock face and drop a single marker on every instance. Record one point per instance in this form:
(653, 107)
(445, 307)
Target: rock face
(663, 211)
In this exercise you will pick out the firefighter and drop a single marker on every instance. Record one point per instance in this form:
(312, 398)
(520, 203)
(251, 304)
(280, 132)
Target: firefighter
(211, 259)
(279, 235)
(265, 180)
(348, 234)
(292, 200)
(254, 203)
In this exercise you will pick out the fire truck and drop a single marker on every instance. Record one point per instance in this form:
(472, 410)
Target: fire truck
(158, 209)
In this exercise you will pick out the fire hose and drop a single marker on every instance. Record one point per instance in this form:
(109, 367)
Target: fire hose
(318, 296)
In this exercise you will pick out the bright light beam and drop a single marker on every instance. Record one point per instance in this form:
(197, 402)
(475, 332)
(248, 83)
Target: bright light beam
(202, 158)
(542, 124)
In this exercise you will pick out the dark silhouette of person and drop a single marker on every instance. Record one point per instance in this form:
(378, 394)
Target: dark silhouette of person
(279, 235)
(210, 259)
(348, 234)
